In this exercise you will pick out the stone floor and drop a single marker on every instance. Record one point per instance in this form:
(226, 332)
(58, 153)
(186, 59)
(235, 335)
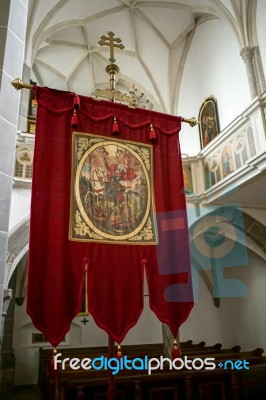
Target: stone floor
(31, 392)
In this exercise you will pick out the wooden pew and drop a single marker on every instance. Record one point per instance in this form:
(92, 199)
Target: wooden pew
(92, 381)
(151, 350)
(185, 385)
(78, 384)
(46, 355)
(215, 349)
(252, 383)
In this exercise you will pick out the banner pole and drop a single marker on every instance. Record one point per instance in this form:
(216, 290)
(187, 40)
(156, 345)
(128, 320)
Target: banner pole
(111, 379)
(18, 84)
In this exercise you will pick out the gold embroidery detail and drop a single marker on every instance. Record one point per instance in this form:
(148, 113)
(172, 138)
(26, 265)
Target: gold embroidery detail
(146, 233)
(143, 153)
(82, 229)
(83, 144)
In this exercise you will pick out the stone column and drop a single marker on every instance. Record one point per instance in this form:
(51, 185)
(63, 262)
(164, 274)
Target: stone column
(24, 100)
(13, 23)
(259, 71)
(248, 56)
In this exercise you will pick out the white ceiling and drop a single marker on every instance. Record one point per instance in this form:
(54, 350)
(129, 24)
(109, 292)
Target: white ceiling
(63, 35)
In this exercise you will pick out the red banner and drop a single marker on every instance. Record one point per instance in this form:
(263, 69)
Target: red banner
(111, 205)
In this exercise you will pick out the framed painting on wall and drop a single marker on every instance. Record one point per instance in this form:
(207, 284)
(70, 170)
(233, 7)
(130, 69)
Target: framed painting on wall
(208, 121)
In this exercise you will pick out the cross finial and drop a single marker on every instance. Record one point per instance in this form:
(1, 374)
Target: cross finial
(112, 42)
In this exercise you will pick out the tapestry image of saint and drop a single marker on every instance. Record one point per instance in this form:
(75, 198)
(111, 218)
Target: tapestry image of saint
(112, 191)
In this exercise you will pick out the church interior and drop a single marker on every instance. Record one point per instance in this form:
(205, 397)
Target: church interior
(202, 60)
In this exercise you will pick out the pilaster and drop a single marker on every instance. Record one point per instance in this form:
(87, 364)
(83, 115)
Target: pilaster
(13, 20)
(247, 55)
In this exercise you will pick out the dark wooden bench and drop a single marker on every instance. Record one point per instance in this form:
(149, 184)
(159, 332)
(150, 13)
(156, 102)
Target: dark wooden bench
(80, 384)
(217, 384)
(46, 355)
(151, 350)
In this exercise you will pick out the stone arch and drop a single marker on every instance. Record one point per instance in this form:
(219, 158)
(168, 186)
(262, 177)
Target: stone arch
(241, 231)
(17, 246)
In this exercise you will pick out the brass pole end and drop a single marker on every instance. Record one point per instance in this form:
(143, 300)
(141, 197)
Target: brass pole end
(19, 84)
(191, 121)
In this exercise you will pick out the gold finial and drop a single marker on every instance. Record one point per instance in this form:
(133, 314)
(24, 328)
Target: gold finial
(19, 84)
(191, 121)
(112, 42)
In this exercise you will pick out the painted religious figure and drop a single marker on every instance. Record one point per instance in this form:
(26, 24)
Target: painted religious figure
(208, 118)
(112, 191)
(227, 161)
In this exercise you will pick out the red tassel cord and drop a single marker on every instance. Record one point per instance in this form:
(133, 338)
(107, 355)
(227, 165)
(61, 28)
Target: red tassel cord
(115, 127)
(119, 353)
(76, 102)
(152, 134)
(176, 351)
(85, 264)
(74, 119)
(144, 262)
(52, 371)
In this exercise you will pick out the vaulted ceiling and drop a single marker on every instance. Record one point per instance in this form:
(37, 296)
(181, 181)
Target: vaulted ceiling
(64, 53)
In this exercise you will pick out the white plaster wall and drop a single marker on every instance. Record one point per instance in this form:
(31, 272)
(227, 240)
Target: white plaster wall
(147, 330)
(20, 206)
(213, 67)
(203, 324)
(243, 320)
(261, 17)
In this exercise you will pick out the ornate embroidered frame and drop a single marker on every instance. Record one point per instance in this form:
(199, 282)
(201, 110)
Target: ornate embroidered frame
(112, 191)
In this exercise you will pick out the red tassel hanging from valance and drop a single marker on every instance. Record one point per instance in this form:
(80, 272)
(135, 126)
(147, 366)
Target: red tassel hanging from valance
(176, 351)
(52, 371)
(115, 127)
(152, 134)
(119, 353)
(144, 262)
(76, 101)
(74, 119)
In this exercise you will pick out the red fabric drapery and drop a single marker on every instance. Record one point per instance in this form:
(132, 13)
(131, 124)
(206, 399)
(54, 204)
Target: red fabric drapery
(115, 272)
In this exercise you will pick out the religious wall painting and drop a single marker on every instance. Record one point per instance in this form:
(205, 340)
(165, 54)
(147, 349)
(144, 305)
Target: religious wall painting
(32, 111)
(207, 175)
(240, 150)
(112, 198)
(188, 185)
(227, 161)
(215, 169)
(251, 142)
(208, 121)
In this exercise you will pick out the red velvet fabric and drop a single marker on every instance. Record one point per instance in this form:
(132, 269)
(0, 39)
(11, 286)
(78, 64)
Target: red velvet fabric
(115, 272)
